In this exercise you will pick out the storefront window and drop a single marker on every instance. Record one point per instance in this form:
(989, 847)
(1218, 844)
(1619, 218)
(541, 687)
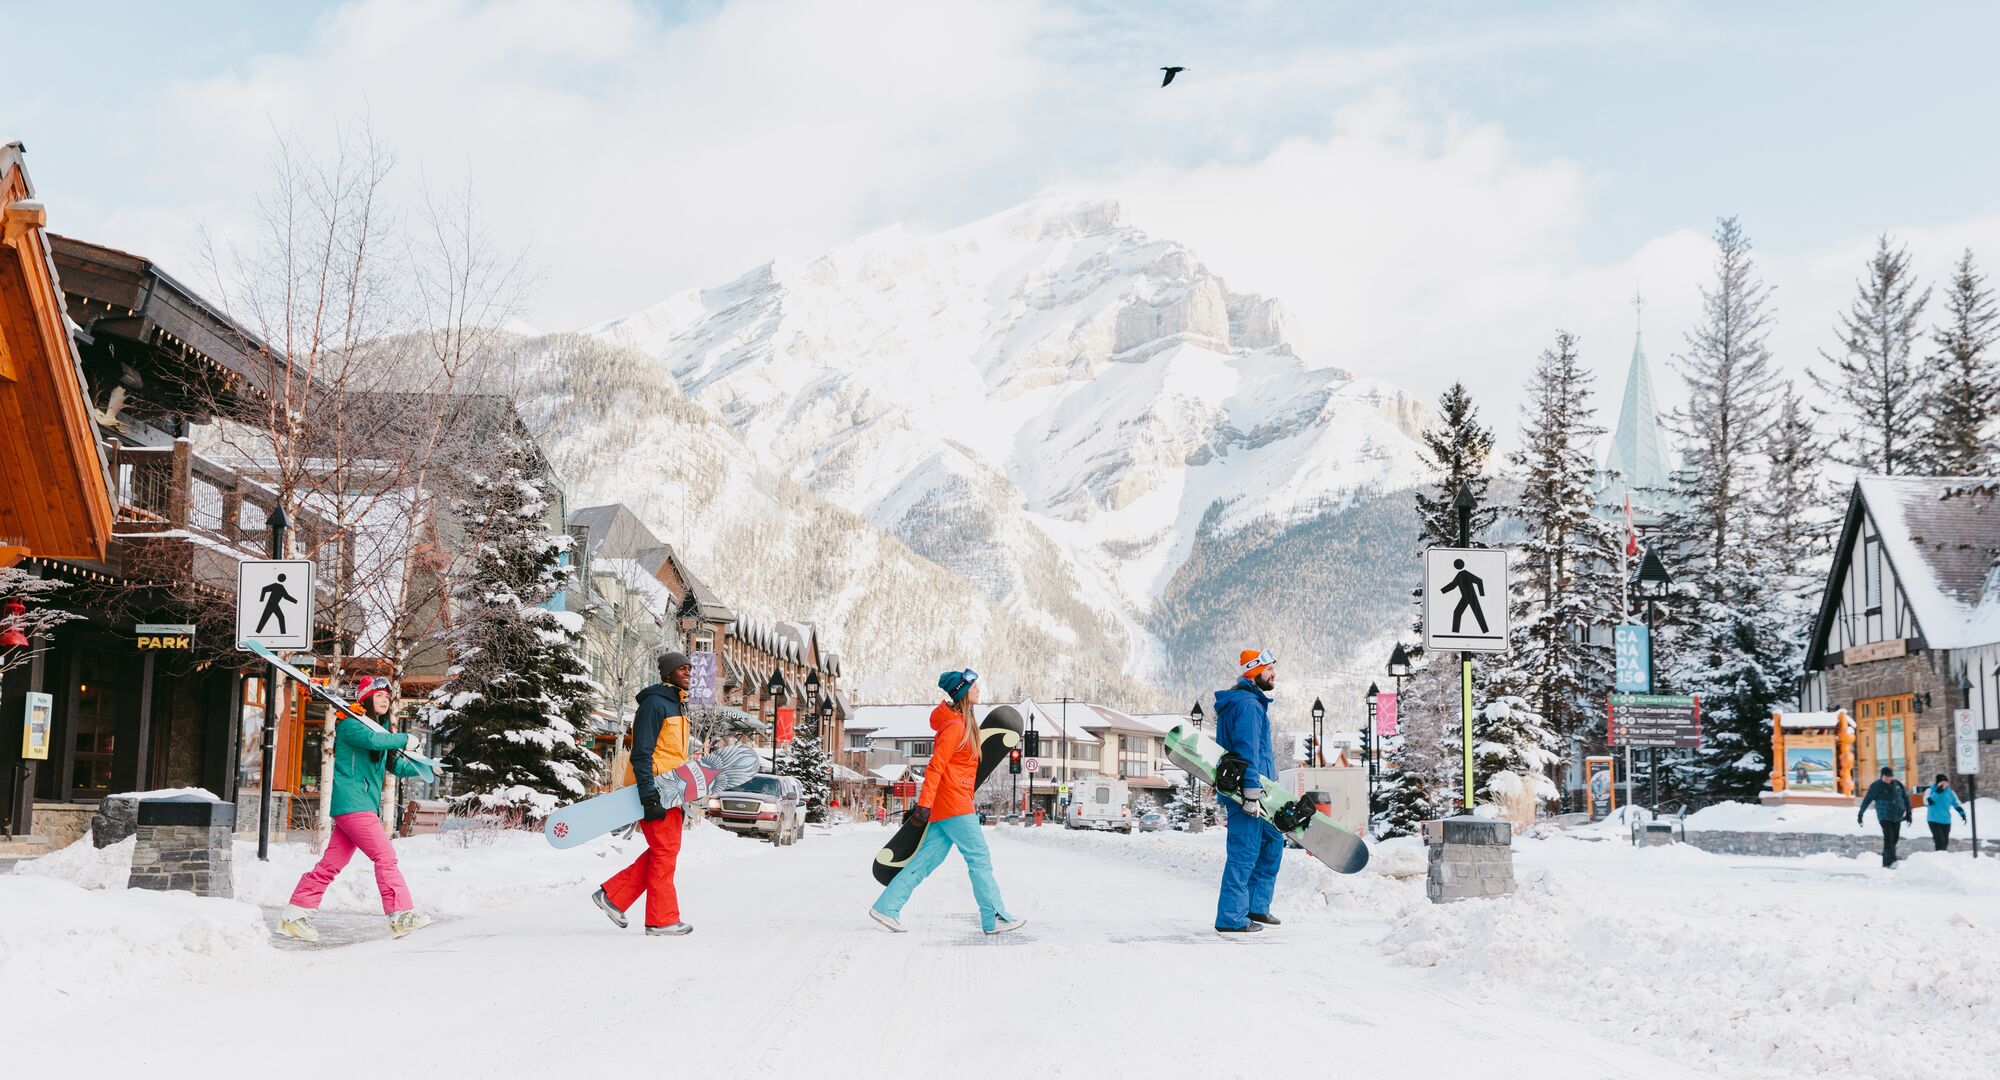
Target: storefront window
(250, 746)
(96, 730)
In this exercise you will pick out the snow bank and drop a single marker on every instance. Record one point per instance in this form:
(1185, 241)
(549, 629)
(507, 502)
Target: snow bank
(1839, 820)
(1739, 980)
(451, 874)
(62, 938)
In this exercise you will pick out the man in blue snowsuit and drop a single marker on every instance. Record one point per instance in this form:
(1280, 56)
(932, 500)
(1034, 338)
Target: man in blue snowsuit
(1243, 728)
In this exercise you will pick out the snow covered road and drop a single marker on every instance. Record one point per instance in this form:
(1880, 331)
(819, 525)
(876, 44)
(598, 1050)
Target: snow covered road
(1116, 974)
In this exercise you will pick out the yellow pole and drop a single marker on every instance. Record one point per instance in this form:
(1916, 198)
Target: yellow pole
(1465, 716)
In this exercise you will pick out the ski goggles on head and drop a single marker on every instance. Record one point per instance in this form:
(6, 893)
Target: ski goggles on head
(953, 683)
(1262, 659)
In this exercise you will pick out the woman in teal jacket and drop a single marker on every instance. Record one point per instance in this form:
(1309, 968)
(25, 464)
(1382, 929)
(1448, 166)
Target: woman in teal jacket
(1939, 802)
(360, 757)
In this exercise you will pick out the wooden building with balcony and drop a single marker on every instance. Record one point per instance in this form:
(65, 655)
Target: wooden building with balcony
(139, 710)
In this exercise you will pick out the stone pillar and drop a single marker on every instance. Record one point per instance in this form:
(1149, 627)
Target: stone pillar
(185, 842)
(117, 817)
(1470, 857)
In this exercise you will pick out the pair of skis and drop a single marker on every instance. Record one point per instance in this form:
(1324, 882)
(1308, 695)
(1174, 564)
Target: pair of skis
(429, 765)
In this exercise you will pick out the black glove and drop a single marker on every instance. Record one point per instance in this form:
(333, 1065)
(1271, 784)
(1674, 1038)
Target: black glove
(917, 815)
(1906, 819)
(1857, 816)
(651, 801)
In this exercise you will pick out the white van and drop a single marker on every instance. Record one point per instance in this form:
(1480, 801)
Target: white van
(1099, 802)
(1346, 784)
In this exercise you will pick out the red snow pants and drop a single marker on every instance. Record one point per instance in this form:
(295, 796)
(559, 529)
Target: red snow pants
(652, 873)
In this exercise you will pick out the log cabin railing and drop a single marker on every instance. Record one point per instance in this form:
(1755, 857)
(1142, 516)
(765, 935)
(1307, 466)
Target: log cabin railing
(171, 488)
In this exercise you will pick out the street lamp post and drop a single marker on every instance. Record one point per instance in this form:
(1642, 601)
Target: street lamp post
(1318, 733)
(1199, 820)
(826, 722)
(812, 714)
(775, 690)
(1654, 585)
(1368, 745)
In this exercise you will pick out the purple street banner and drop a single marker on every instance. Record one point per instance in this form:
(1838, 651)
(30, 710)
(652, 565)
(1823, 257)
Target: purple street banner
(701, 686)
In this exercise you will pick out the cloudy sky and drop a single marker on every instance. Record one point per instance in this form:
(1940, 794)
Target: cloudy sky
(1434, 188)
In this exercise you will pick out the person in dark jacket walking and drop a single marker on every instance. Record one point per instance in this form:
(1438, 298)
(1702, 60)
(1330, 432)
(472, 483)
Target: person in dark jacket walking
(1255, 846)
(660, 740)
(1939, 801)
(1892, 809)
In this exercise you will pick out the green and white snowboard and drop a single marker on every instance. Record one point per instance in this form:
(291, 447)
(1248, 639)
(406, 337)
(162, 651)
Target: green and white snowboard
(1322, 837)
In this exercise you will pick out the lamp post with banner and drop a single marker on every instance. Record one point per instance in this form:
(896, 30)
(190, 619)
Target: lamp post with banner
(775, 690)
(1368, 744)
(1654, 586)
(1199, 820)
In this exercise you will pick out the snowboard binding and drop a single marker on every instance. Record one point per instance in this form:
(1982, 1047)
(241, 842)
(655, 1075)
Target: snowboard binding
(1230, 772)
(1295, 815)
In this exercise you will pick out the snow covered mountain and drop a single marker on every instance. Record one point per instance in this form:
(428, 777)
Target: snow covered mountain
(1048, 404)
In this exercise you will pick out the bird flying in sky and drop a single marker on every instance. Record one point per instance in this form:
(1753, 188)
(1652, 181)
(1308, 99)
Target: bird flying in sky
(1171, 72)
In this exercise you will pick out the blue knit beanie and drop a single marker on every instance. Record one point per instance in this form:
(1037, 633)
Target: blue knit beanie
(954, 683)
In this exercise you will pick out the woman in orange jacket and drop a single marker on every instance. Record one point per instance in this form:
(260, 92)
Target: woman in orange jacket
(945, 805)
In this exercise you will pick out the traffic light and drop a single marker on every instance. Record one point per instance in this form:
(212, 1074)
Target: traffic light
(1310, 759)
(1014, 760)
(1034, 742)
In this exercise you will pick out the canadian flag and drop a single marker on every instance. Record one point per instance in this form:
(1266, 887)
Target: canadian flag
(1631, 533)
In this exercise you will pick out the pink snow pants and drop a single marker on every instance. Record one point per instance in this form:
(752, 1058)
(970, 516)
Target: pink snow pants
(363, 830)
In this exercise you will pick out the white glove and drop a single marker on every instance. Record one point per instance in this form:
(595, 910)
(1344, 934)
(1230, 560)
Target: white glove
(1253, 802)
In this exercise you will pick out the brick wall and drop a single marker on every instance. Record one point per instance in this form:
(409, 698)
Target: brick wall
(1911, 674)
(1915, 838)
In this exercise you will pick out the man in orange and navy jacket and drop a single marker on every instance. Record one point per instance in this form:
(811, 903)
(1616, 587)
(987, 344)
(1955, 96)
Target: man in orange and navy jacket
(660, 735)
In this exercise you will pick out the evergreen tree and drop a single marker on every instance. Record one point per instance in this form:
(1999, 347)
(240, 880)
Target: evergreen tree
(1191, 802)
(1874, 378)
(1727, 638)
(1964, 380)
(517, 693)
(1567, 583)
(1421, 768)
(1458, 449)
(1513, 751)
(1795, 513)
(808, 762)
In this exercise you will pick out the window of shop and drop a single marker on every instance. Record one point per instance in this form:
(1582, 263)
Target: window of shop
(99, 694)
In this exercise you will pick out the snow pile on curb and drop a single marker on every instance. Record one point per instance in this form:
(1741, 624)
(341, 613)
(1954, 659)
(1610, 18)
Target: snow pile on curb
(1799, 818)
(450, 875)
(65, 939)
(1736, 984)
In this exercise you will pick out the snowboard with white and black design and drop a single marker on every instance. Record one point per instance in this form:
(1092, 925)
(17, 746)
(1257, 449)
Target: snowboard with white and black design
(999, 733)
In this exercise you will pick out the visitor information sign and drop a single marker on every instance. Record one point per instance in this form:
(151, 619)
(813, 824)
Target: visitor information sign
(1656, 720)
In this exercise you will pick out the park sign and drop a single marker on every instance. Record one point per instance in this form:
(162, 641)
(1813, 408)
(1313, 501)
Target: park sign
(169, 636)
(1965, 736)
(1465, 599)
(1640, 721)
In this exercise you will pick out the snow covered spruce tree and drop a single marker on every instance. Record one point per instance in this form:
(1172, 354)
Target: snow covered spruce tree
(1420, 777)
(1191, 802)
(517, 694)
(1457, 449)
(1962, 397)
(1513, 752)
(808, 762)
(1873, 378)
(1728, 638)
(1567, 584)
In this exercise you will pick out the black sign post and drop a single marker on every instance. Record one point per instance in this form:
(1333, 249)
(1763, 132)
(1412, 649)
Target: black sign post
(278, 523)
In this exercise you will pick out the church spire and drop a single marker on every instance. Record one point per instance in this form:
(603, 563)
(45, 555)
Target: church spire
(1638, 450)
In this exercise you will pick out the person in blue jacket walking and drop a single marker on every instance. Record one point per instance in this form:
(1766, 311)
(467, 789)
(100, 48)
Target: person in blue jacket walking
(1243, 729)
(1939, 802)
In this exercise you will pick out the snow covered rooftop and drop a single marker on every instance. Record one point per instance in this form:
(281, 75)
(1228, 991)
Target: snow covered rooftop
(1942, 537)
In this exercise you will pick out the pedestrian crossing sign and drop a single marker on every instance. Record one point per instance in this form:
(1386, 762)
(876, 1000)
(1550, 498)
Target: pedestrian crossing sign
(274, 603)
(1465, 599)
